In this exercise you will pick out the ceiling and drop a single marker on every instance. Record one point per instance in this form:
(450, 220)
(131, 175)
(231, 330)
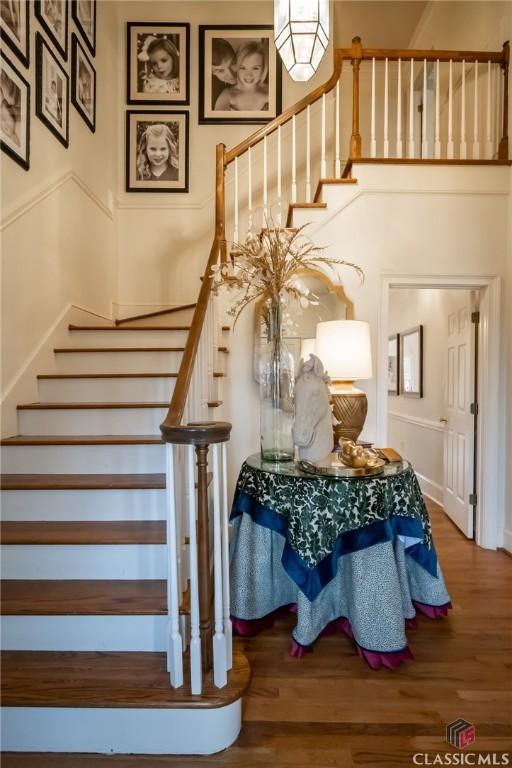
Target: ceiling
(380, 24)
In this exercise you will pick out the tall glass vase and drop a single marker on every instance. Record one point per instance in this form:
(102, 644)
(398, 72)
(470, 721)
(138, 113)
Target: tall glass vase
(277, 382)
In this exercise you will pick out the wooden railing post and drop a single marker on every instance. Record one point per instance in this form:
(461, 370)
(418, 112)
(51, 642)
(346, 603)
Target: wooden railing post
(355, 139)
(203, 550)
(503, 147)
(220, 200)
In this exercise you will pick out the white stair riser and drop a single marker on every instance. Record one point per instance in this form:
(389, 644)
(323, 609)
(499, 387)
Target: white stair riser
(93, 459)
(142, 390)
(311, 216)
(119, 362)
(84, 561)
(128, 338)
(126, 504)
(336, 195)
(201, 731)
(179, 317)
(84, 633)
(91, 421)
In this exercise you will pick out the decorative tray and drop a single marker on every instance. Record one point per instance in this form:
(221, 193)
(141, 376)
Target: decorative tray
(333, 467)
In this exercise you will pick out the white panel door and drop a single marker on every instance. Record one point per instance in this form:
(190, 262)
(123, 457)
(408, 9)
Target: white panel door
(459, 424)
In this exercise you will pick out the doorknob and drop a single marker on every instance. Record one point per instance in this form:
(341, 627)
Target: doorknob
(443, 420)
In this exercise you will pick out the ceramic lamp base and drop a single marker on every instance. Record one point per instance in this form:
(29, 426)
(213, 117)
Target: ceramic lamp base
(350, 407)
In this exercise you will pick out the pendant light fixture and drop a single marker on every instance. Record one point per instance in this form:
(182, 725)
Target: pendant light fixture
(301, 34)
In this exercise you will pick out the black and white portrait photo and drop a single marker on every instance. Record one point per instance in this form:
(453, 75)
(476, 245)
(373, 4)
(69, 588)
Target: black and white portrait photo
(52, 92)
(83, 84)
(53, 17)
(15, 114)
(158, 63)
(14, 27)
(84, 16)
(157, 152)
(240, 78)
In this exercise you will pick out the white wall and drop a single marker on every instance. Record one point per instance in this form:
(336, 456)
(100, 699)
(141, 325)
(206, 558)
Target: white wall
(58, 227)
(413, 423)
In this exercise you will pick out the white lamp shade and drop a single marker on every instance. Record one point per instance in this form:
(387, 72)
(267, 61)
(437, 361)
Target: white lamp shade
(307, 348)
(301, 34)
(344, 348)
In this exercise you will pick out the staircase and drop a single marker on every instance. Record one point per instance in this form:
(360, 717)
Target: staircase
(84, 556)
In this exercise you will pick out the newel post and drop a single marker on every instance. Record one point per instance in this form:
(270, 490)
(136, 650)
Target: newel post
(503, 147)
(355, 139)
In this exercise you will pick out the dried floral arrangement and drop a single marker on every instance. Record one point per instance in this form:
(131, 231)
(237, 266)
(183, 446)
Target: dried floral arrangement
(267, 266)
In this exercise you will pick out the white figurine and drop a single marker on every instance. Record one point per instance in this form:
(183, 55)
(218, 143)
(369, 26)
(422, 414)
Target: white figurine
(312, 431)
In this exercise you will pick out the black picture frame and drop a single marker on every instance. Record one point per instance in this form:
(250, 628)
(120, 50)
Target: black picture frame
(52, 106)
(411, 362)
(15, 29)
(15, 144)
(43, 10)
(142, 84)
(84, 14)
(221, 89)
(394, 364)
(174, 179)
(83, 83)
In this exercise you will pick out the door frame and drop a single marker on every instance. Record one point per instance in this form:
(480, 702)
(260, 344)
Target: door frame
(489, 521)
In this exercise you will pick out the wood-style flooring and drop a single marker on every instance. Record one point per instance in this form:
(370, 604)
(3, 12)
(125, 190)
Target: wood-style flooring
(330, 709)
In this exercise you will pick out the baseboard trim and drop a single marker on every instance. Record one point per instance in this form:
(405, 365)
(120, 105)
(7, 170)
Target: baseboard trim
(431, 489)
(417, 421)
(507, 541)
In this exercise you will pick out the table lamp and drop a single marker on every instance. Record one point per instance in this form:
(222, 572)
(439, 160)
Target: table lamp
(344, 348)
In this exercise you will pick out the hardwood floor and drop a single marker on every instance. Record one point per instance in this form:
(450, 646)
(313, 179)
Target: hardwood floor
(330, 709)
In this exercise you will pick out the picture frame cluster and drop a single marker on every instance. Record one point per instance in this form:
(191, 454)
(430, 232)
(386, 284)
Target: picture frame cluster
(55, 86)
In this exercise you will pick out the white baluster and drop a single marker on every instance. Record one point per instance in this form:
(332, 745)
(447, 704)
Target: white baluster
(308, 154)
(195, 633)
(235, 230)
(175, 649)
(373, 140)
(228, 629)
(323, 161)
(411, 111)
(424, 139)
(220, 676)
(449, 146)
(265, 181)
(498, 103)
(476, 143)
(337, 163)
(463, 153)
(294, 163)
(279, 186)
(386, 107)
(437, 140)
(399, 145)
(249, 192)
(488, 135)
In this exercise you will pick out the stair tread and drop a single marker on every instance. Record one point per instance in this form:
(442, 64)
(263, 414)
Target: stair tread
(163, 375)
(87, 532)
(119, 328)
(28, 482)
(82, 440)
(79, 597)
(214, 403)
(157, 313)
(108, 679)
(62, 350)
(88, 406)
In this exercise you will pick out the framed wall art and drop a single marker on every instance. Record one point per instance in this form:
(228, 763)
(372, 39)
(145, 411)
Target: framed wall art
(411, 362)
(14, 28)
(158, 63)
(84, 16)
(239, 75)
(157, 151)
(394, 364)
(53, 17)
(15, 108)
(52, 92)
(83, 83)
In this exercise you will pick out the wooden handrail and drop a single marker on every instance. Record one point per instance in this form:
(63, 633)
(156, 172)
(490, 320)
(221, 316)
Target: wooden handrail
(393, 54)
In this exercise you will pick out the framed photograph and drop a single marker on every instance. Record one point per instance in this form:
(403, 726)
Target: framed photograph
(14, 28)
(239, 75)
(83, 83)
(393, 364)
(411, 362)
(157, 151)
(15, 107)
(53, 17)
(158, 63)
(84, 16)
(52, 92)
